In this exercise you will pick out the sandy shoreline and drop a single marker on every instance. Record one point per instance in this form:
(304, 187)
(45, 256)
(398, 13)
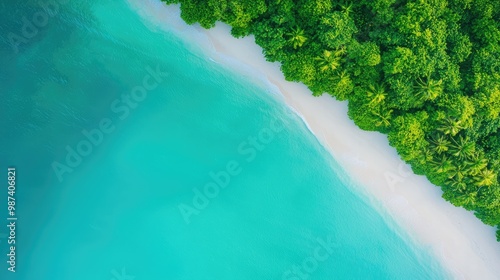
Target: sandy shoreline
(459, 240)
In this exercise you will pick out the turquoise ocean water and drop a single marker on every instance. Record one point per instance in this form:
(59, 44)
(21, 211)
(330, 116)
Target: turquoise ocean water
(137, 157)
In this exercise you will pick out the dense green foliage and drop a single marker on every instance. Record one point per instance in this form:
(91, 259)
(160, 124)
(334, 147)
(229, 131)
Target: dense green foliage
(424, 72)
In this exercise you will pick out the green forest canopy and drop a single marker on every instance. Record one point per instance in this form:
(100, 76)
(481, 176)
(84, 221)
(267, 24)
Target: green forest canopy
(426, 73)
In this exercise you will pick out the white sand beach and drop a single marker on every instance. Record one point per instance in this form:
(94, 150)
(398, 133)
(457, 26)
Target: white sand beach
(463, 244)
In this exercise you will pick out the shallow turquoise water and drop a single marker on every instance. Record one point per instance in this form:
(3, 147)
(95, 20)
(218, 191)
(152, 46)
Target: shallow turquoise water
(130, 205)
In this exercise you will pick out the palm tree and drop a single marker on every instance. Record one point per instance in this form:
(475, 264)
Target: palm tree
(377, 94)
(457, 185)
(343, 78)
(443, 166)
(330, 60)
(477, 163)
(458, 172)
(466, 200)
(428, 89)
(383, 117)
(485, 178)
(463, 148)
(450, 126)
(297, 37)
(346, 8)
(425, 156)
(440, 143)
(469, 198)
